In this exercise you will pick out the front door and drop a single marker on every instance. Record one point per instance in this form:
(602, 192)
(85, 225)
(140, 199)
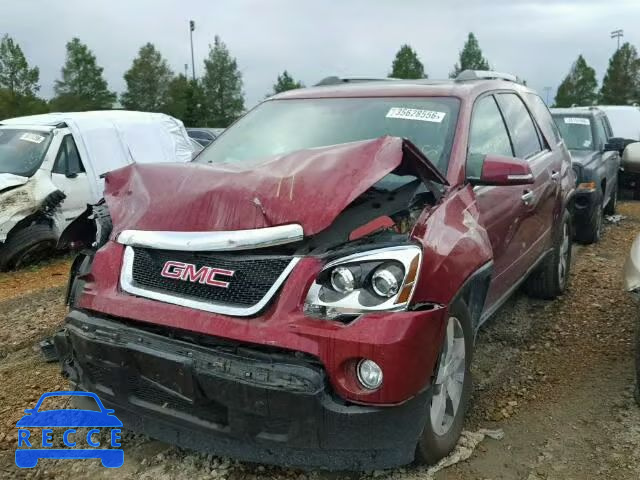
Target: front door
(68, 174)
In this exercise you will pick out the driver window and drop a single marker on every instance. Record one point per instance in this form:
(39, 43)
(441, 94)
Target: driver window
(488, 135)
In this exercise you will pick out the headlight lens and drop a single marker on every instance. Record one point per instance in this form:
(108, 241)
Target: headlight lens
(377, 280)
(342, 280)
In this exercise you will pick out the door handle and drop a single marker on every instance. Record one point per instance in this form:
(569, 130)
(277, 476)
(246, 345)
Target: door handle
(528, 197)
(555, 176)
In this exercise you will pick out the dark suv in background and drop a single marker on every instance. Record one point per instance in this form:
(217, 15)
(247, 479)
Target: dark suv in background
(310, 291)
(596, 163)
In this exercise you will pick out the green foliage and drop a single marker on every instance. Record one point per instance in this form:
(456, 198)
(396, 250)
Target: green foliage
(621, 84)
(82, 86)
(222, 84)
(407, 64)
(185, 100)
(470, 57)
(147, 81)
(15, 74)
(18, 82)
(285, 82)
(579, 87)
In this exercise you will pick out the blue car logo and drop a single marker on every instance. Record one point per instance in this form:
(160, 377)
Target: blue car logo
(29, 449)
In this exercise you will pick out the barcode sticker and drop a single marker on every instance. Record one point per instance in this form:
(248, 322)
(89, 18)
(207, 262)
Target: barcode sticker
(416, 114)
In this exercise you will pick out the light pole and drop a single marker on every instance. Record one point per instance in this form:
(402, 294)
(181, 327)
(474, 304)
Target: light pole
(617, 34)
(192, 27)
(186, 70)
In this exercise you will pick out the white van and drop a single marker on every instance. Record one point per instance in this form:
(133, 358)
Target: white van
(51, 167)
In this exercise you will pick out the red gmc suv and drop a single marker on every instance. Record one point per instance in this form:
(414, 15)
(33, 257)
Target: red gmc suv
(307, 291)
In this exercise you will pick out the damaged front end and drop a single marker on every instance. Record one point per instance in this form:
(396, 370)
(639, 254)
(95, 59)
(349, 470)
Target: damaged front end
(247, 312)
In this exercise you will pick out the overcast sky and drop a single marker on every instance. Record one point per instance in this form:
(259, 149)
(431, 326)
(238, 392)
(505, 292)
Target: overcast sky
(537, 40)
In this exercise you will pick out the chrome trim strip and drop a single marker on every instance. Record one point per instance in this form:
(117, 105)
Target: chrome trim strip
(128, 285)
(213, 241)
(526, 176)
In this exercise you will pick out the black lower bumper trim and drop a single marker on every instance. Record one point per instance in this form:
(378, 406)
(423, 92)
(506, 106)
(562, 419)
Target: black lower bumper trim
(231, 402)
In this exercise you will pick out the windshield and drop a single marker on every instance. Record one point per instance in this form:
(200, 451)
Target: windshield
(22, 151)
(576, 131)
(282, 126)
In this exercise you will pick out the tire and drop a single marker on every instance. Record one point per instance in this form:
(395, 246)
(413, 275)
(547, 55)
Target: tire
(439, 438)
(612, 205)
(27, 245)
(637, 351)
(550, 279)
(592, 232)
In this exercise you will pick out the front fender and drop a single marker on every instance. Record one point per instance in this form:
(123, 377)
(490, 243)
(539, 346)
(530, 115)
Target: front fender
(455, 246)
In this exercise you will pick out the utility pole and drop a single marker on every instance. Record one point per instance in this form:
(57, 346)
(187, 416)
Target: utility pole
(547, 91)
(192, 27)
(617, 34)
(186, 70)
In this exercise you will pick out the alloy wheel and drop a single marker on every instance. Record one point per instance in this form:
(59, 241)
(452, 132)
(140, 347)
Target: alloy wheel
(448, 385)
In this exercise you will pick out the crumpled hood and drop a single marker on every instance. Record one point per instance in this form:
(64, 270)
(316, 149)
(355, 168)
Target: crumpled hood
(8, 180)
(309, 187)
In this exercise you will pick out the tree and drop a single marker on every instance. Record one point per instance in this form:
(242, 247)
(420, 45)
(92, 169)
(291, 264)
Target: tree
(285, 82)
(147, 81)
(15, 74)
(82, 86)
(579, 87)
(186, 100)
(18, 82)
(621, 84)
(407, 64)
(470, 57)
(222, 84)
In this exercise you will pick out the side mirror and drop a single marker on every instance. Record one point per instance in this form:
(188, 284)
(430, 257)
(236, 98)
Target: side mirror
(502, 171)
(615, 144)
(631, 157)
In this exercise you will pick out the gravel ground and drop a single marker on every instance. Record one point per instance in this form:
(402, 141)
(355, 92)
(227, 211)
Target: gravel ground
(556, 377)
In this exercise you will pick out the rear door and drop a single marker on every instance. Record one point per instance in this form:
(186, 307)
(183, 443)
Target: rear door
(68, 174)
(610, 160)
(501, 209)
(540, 199)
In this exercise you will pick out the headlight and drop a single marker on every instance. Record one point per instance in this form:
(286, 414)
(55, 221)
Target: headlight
(377, 280)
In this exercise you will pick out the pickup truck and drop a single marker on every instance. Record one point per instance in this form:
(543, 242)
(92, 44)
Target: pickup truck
(596, 163)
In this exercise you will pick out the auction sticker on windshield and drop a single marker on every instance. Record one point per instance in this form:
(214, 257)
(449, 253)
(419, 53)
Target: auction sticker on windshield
(32, 137)
(576, 120)
(416, 114)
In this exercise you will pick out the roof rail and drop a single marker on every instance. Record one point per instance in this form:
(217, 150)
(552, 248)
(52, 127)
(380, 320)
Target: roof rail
(334, 80)
(467, 75)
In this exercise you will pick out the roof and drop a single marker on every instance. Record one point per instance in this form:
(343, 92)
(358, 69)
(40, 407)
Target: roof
(402, 88)
(578, 111)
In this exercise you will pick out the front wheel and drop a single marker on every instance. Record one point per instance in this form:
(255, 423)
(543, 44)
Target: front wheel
(450, 389)
(550, 279)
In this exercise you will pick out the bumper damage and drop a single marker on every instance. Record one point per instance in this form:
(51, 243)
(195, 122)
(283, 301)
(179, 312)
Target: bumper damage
(253, 403)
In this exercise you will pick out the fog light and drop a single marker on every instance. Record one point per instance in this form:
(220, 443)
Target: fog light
(342, 280)
(369, 374)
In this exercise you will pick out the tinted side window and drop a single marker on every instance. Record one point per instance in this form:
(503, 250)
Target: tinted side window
(68, 159)
(488, 135)
(543, 115)
(523, 132)
(601, 132)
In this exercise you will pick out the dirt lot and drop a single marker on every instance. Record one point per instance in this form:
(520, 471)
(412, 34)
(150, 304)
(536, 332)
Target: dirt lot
(556, 377)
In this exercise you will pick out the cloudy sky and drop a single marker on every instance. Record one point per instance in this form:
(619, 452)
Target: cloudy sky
(536, 39)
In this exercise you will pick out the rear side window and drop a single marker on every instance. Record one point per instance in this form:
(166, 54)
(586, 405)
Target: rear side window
(68, 159)
(488, 135)
(543, 115)
(524, 135)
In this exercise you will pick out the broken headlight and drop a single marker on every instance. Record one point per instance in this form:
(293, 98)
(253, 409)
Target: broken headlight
(372, 281)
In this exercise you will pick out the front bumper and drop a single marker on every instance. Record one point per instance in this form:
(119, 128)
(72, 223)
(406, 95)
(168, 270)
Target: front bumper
(585, 203)
(248, 402)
